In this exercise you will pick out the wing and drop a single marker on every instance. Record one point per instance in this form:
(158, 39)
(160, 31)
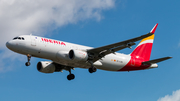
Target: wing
(98, 53)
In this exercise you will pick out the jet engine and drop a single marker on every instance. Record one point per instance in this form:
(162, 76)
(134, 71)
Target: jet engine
(46, 67)
(78, 55)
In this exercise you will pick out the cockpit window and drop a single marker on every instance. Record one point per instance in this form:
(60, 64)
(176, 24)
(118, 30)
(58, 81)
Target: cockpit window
(18, 38)
(15, 38)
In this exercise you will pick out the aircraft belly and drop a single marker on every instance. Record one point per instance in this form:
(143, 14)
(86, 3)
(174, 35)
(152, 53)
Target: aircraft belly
(73, 63)
(110, 62)
(114, 62)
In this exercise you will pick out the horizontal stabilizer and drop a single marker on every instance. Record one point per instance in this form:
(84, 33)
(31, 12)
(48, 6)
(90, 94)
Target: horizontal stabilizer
(155, 61)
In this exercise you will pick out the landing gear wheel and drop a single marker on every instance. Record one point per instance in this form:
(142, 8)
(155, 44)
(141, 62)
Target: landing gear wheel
(29, 58)
(27, 63)
(92, 69)
(70, 76)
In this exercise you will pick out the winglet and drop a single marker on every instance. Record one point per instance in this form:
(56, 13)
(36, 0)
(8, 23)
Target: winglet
(154, 29)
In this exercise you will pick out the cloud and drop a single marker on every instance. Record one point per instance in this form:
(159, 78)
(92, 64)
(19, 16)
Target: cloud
(18, 17)
(8, 60)
(174, 97)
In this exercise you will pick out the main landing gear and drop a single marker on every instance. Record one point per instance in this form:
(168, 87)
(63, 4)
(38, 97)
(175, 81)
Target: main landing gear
(92, 69)
(70, 76)
(29, 58)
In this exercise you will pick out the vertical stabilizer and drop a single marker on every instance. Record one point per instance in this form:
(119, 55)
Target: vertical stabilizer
(143, 50)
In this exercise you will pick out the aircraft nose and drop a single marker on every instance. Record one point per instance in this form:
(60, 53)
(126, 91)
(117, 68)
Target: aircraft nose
(9, 44)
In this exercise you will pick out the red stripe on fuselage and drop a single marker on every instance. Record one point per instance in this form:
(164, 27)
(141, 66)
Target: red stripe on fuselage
(134, 64)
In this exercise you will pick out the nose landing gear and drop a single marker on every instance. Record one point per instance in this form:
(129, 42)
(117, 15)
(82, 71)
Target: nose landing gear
(29, 58)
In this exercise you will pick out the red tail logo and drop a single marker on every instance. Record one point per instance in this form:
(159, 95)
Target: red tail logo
(141, 53)
(143, 50)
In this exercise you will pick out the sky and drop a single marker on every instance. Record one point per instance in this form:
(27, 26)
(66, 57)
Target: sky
(92, 23)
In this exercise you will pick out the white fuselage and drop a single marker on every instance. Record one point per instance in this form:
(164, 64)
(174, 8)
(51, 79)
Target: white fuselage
(57, 51)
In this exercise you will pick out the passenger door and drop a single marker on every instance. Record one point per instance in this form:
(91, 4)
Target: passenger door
(33, 40)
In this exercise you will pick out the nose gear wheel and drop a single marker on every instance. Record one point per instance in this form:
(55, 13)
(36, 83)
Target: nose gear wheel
(29, 58)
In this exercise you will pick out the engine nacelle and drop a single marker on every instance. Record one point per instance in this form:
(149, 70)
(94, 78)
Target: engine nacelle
(46, 67)
(78, 55)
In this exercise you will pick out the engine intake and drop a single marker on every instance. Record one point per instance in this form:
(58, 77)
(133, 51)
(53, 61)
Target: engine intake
(46, 67)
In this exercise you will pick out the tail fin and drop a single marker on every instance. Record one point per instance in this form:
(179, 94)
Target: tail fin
(143, 50)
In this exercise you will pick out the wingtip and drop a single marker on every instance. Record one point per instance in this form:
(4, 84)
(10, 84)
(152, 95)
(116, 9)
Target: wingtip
(169, 57)
(154, 29)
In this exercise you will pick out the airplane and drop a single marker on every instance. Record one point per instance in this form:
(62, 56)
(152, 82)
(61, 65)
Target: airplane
(67, 56)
